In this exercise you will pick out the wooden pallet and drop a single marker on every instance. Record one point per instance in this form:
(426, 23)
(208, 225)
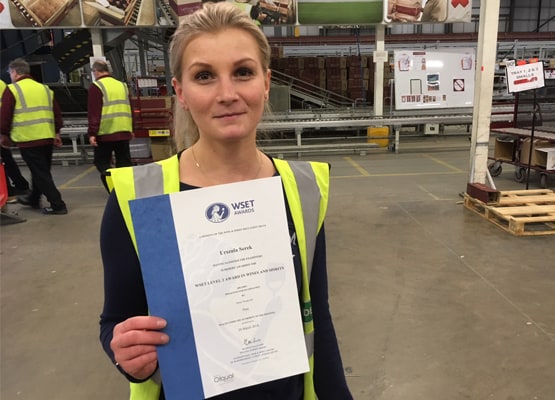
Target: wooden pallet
(520, 212)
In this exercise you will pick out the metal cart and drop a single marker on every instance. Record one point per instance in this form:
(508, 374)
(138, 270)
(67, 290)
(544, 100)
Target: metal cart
(513, 146)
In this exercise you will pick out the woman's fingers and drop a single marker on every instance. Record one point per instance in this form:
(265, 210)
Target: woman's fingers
(134, 344)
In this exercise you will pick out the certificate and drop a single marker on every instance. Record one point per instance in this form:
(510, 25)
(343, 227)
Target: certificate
(217, 265)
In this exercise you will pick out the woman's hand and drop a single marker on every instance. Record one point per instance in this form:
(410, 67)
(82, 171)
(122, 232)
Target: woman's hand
(134, 344)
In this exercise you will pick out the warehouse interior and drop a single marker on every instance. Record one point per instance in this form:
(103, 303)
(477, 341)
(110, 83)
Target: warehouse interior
(435, 292)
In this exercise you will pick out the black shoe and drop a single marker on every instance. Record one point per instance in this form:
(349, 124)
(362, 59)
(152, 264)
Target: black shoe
(54, 211)
(26, 201)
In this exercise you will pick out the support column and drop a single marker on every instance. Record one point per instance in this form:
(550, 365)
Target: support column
(483, 90)
(97, 42)
(379, 57)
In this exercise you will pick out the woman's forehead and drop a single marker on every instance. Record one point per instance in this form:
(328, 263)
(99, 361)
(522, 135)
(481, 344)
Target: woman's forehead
(222, 46)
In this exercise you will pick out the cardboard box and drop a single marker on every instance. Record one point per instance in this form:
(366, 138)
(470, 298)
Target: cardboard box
(538, 144)
(358, 73)
(504, 149)
(162, 148)
(546, 158)
(357, 61)
(339, 74)
(357, 84)
(336, 62)
(314, 62)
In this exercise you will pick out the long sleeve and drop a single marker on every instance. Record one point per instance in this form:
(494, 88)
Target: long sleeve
(6, 116)
(94, 109)
(124, 294)
(329, 378)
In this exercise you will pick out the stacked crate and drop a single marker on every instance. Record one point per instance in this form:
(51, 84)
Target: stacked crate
(359, 77)
(336, 75)
(349, 76)
(307, 69)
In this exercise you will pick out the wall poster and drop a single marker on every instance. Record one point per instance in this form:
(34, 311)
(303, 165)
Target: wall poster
(36, 14)
(434, 79)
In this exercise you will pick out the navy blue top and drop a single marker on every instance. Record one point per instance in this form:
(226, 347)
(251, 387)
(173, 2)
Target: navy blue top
(125, 297)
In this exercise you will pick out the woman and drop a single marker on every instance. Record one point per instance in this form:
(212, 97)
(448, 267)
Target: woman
(220, 63)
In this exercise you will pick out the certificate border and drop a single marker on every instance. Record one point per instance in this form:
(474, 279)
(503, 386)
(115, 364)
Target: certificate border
(162, 274)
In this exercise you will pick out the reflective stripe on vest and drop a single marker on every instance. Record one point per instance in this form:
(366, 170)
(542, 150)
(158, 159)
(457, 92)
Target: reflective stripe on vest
(33, 115)
(116, 111)
(305, 183)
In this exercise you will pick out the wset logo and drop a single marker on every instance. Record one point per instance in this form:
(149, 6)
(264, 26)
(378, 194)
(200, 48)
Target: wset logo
(217, 212)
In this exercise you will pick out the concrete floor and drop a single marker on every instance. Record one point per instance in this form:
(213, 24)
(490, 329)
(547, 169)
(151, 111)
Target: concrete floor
(430, 300)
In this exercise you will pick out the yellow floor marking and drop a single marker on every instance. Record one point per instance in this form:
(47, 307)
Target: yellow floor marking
(445, 164)
(357, 166)
(433, 196)
(75, 179)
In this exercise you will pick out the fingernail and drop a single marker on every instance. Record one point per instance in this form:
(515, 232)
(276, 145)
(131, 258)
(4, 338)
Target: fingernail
(161, 323)
(165, 338)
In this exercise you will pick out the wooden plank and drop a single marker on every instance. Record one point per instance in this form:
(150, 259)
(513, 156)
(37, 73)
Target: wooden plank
(525, 192)
(546, 198)
(542, 218)
(509, 201)
(524, 210)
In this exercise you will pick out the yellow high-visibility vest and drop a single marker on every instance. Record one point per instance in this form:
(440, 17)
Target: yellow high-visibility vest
(33, 116)
(116, 111)
(306, 186)
(2, 88)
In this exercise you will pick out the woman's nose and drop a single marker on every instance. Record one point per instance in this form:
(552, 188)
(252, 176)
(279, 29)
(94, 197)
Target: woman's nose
(228, 90)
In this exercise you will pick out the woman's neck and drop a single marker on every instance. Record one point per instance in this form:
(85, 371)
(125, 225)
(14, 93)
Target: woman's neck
(203, 165)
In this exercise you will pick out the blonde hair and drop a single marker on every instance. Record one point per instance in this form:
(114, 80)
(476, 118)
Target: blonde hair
(211, 18)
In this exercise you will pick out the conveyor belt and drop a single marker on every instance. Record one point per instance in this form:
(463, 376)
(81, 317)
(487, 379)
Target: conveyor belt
(347, 122)
(336, 120)
(25, 13)
(75, 129)
(340, 120)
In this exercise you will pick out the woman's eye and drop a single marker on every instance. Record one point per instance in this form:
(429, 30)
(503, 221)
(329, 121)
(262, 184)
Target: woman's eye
(202, 76)
(244, 72)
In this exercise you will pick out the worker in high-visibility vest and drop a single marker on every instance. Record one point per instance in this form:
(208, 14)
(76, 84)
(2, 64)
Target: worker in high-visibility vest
(16, 183)
(110, 120)
(32, 119)
(220, 62)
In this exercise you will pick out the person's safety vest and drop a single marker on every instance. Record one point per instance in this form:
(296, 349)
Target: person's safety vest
(2, 88)
(306, 185)
(33, 116)
(116, 110)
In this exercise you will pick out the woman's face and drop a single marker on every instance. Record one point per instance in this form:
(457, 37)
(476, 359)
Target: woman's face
(223, 84)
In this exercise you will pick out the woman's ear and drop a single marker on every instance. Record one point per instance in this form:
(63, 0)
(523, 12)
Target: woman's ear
(179, 93)
(267, 84)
